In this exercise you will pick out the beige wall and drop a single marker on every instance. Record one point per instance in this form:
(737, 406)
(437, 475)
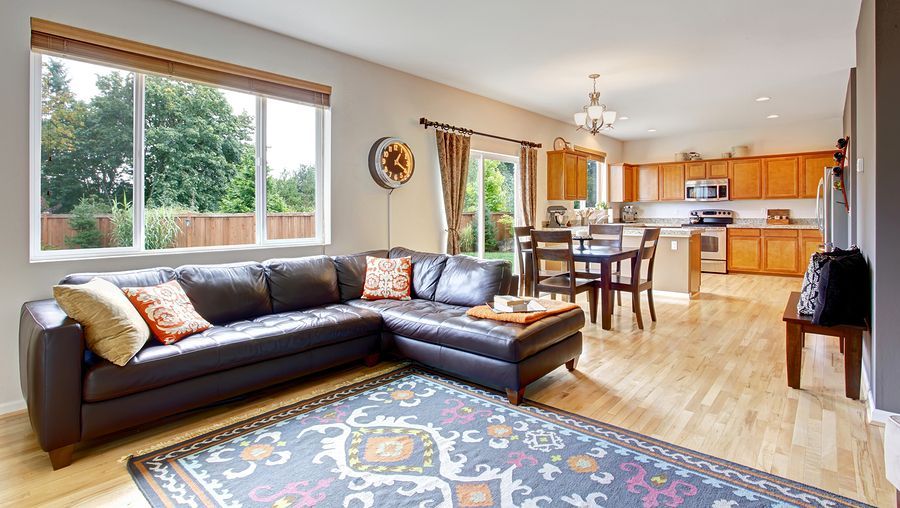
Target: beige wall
(369, 101)
(775, 138)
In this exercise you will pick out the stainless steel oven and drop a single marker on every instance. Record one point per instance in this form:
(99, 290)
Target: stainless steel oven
(706, 190)
(713, 238)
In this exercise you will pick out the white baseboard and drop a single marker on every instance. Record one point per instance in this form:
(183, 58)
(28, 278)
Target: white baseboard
(12, 406)
(873, 415)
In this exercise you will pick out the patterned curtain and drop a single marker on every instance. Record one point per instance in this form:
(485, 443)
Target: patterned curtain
(528, 184)
(453, 156)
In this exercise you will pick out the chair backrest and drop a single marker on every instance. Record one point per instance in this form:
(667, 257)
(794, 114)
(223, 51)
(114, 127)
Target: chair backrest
(605, 235)
(646, 253)
(552, 246)
(522, 235)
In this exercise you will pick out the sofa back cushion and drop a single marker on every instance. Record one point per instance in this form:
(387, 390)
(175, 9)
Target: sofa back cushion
(351, 273)
(130, 278)
(426, 270)
(469, 281)
(300, 283)
(226, 293)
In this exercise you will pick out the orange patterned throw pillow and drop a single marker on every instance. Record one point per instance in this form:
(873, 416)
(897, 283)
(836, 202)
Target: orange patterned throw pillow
(168, 311)
(387, 279)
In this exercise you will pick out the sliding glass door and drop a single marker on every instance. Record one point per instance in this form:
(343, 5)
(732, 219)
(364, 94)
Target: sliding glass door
(490, 207)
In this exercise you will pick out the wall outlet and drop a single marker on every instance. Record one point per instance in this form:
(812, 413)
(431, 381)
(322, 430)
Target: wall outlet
(674, 244)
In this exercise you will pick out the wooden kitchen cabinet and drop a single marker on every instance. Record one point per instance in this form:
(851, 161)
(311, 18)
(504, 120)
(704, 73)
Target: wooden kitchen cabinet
(781, 177)
(621, 183)
(566, 175)
(717, 169)
(746, 178)
(744, 250)
(648, 182)
(671, 182)
(695, 170)
(812, 167)
(781, 251)
(811, 241)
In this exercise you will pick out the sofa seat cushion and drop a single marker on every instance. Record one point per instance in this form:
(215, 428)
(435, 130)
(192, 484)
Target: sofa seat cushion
(447, 325)
(225, 347)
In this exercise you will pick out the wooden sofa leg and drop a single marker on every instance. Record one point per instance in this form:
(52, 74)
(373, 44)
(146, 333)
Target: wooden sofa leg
(372, 359)
(515, 396)
(61, 457)
(571, 364)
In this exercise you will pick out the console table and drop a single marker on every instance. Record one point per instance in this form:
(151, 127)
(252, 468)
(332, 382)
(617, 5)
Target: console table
(796, 328)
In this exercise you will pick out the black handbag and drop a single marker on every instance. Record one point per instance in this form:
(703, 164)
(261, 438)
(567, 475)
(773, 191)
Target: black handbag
(843, 292)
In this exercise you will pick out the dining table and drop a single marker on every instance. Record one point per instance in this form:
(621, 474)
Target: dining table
(602, 255)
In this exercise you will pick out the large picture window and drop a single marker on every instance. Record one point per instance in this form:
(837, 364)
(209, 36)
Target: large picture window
(125, 161)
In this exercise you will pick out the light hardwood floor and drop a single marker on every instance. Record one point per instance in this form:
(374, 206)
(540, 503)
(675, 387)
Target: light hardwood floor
(710, 376)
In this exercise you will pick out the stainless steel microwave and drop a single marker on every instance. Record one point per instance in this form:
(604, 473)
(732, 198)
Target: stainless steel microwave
(706, 190)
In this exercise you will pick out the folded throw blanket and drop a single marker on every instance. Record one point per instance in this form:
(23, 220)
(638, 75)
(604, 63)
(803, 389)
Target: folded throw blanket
(553, 307)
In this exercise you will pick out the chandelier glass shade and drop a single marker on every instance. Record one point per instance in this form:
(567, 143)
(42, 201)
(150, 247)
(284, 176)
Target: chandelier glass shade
(594, 117)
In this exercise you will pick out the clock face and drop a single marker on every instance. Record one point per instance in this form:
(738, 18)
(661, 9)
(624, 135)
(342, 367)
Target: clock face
(391, 163)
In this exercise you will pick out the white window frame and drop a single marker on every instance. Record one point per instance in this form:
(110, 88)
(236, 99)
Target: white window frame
(602, 182)
(479, 156)
(323, 181)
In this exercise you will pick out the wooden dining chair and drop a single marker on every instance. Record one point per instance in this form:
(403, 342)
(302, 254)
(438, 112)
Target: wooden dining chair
(634, 283)
(557, 246)
(604, 235)
(522, 234)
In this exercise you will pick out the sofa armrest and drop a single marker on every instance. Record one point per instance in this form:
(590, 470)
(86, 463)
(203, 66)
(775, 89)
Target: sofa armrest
(51, 358)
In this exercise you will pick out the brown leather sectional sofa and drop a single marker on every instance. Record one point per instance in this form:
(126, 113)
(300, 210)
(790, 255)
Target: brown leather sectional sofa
(275, 321)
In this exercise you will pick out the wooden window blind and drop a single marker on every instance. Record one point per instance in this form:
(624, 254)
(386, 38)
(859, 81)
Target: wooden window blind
(63, 40)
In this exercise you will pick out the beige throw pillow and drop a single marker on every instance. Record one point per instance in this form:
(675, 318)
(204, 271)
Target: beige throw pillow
(113, 328)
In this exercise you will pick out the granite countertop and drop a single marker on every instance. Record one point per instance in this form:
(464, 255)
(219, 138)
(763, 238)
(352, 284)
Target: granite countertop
(636, 229)
(763, 225)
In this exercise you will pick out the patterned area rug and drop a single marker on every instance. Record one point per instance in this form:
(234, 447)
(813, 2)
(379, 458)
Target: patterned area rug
(415, 438)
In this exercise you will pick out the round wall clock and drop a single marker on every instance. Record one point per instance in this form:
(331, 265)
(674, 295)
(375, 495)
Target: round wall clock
(560, 144)
(391, 163)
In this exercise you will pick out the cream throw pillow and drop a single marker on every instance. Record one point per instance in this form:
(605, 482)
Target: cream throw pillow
(113, 328)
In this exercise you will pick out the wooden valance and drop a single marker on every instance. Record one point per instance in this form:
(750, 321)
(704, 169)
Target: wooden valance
(63, 40)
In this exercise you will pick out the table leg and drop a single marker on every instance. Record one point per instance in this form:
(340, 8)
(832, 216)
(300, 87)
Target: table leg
(794, 350)
(852, 364)
(605, 307)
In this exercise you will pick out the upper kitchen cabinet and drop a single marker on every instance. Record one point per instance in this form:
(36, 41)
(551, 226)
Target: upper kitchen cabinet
(621, 183)
(781, 177)
(566, 175)
(671, 182)
(746, 178)
(695, 170)
(812, 168)
(648, 182)
(717, 169)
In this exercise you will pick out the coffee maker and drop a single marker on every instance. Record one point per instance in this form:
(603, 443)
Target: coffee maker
(556, 216)
(629, 213)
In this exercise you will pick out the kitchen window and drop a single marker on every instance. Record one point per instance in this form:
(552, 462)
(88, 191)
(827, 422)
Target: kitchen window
(126, 161)
(596, 184)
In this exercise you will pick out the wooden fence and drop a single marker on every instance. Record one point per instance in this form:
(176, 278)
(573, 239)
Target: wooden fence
(503, 232)
(197, 229)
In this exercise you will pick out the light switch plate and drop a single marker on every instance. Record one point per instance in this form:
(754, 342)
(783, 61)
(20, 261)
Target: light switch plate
(674, 244)
(859, 164)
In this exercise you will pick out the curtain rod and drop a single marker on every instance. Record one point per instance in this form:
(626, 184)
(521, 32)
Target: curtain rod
(447, 127)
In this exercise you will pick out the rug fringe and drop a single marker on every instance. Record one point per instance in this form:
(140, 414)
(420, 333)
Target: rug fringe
(258, 411)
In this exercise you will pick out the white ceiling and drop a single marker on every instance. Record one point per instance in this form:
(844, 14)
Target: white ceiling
(673, 65)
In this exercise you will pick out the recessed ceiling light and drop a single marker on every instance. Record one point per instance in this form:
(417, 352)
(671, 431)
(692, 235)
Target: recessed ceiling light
(763, 99)
(623, 118)
(772, 116)
(651, 130)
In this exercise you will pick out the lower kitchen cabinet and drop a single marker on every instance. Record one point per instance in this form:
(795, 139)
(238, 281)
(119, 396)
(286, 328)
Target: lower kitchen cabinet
(773, 251)
(781, 251)
(744, 250)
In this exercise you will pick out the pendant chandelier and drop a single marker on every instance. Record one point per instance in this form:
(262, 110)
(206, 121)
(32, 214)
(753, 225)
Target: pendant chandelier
(595, 117)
